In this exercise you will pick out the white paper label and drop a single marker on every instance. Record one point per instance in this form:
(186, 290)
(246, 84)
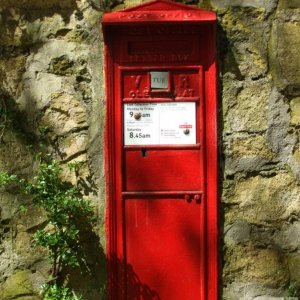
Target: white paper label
(160, 123)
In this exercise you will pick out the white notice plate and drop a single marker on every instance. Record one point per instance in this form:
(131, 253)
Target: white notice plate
(160, 123)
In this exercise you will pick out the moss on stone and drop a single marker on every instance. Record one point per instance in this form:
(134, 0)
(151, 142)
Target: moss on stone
(295, 111)
(284, 4)
(19, 284)
(284, 53)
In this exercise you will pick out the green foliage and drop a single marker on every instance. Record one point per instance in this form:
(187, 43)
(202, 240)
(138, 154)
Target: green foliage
(55, 292)
(292, 290)
(75, 166)
(69, 216)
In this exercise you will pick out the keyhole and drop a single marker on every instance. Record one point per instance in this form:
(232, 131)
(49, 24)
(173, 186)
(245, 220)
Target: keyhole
(144, 152)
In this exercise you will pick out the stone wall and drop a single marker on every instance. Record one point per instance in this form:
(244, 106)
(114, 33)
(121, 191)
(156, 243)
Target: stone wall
(51, 63)
(51, 72)
(259, 127)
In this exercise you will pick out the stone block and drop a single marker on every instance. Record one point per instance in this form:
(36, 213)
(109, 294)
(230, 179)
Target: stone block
(295, 111)
(37, 91)
(264, 200)
(284, 51)
(268, 5)
(250, 112)
(11, 70)
(73, 145)
(285, 4)
(294, 267)
(247, 153)
(266, 267)
(38, 4)
(288, 238)
(250, 146)
(64, 114)
(18, 285)
(237, 233)
(15, 157)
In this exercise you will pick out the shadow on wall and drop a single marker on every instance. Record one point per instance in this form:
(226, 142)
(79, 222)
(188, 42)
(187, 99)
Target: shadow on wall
(91, 281)
(138, 289)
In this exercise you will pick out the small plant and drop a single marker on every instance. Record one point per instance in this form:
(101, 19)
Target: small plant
(55, 292)
(69, 215)
(292, 290)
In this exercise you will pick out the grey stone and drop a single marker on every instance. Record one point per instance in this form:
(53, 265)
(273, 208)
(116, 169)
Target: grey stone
(237, 233)
(268, 5)
(288, 237)
(284, 57)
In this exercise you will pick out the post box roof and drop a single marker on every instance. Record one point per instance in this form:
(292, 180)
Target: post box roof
(159, 11)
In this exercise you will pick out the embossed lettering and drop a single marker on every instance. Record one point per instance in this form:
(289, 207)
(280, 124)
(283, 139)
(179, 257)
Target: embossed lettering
(188, 93)
(184, 81)
(159, 57)
(137, 80)
(158, 31)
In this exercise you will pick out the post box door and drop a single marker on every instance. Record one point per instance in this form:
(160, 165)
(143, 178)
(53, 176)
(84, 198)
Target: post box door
(161, 153)
(163, 182)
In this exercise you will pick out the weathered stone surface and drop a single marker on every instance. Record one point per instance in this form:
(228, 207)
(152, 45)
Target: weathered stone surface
(248, 290)
(38, 4)
(263, 266)
(11, 70)
(64, 114)
(237, 233)
(288, 237)
(15, 157)
(285, 61)
(284, 4)
(264, 200)
(73, 145)
(278, 117)
(295, 111)
(268, 5)
(246, 53)
(17, 285)
(296, 154)
(31, 218)
(250, 116)
(81, 174)
(250, 146)
(294, 263)
(247, 153)
(9, 206)
(37, 90)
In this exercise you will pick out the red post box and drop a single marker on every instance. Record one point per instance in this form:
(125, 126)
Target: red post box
(161, 152)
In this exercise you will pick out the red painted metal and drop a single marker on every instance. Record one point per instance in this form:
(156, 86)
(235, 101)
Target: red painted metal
(162, 204)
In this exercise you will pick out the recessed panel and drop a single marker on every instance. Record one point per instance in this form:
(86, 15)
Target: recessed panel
(164, 249)
(162, 170)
